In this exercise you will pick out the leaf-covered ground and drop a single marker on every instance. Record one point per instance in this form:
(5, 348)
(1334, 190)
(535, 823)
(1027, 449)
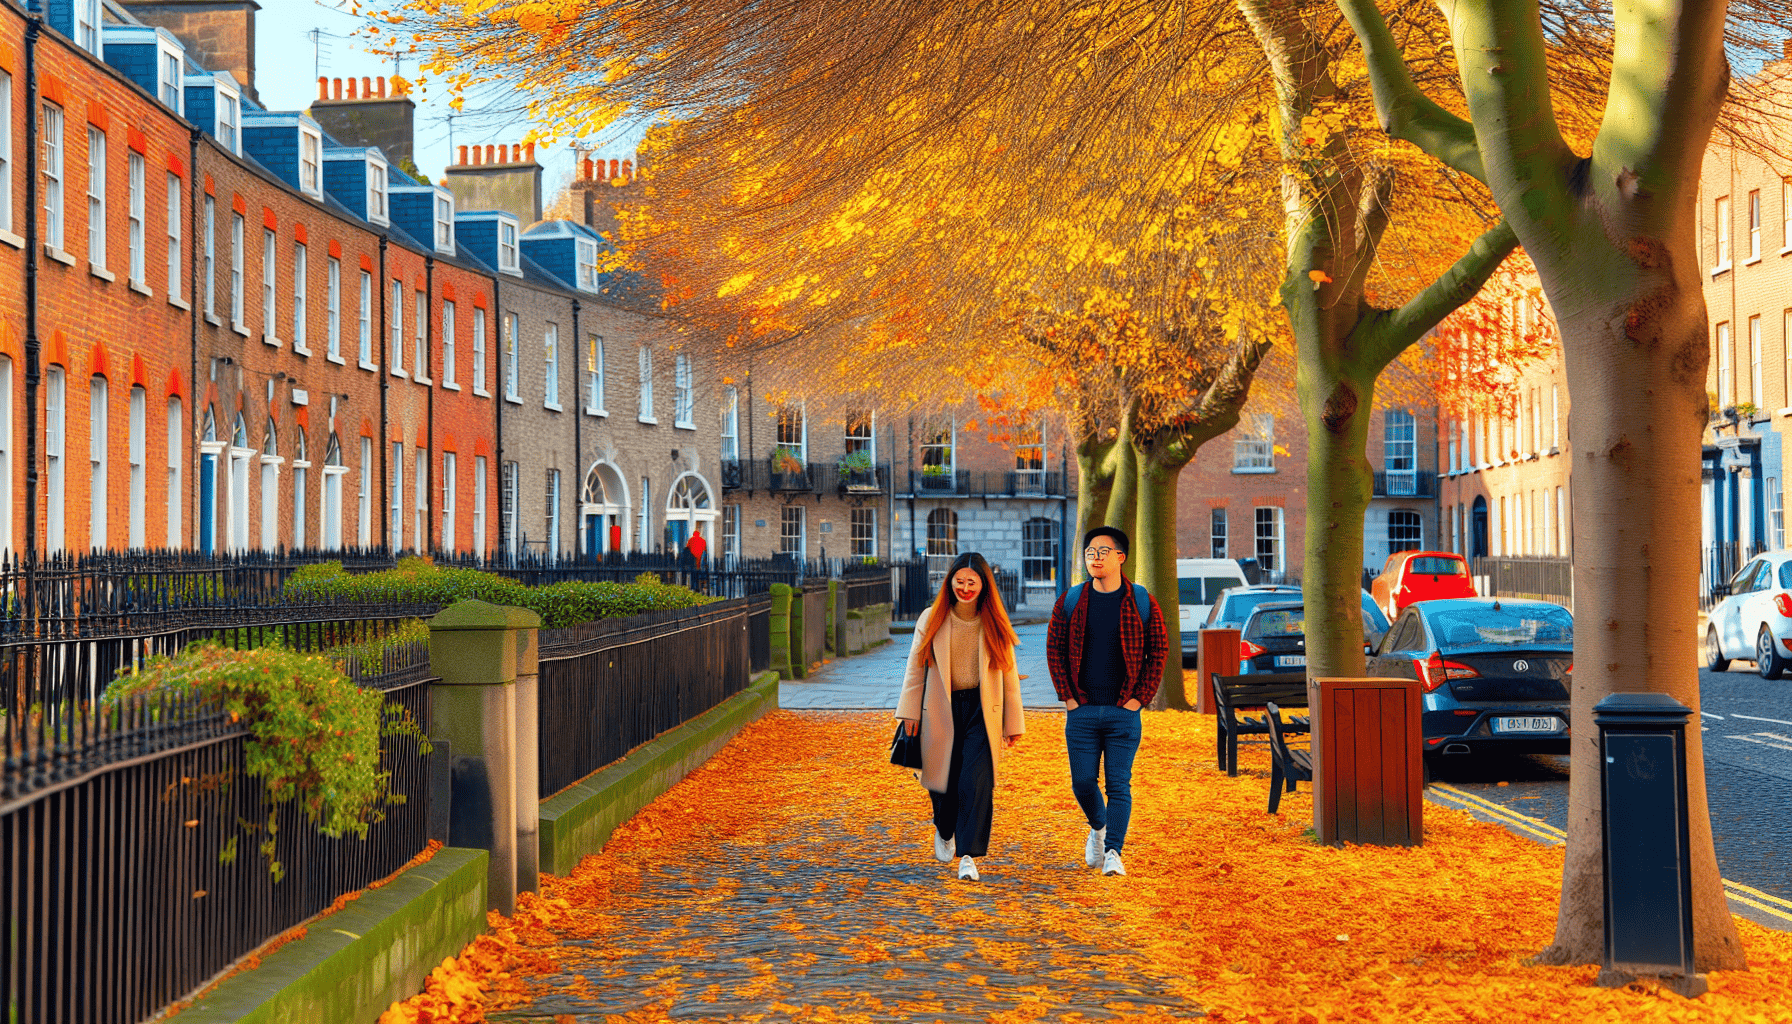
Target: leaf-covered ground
(792, 879)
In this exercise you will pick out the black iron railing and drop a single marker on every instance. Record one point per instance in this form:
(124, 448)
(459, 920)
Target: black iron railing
(1418, 484)
(816, 477)
(866, 587)
(1545, 579)
(609, 686)
(966, 483)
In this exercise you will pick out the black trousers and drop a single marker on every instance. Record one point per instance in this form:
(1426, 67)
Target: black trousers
(964, 810)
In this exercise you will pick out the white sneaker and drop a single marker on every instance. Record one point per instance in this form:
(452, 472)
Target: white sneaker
(967, 868)
(943, 848)
(1098, 838)
(1112, 865)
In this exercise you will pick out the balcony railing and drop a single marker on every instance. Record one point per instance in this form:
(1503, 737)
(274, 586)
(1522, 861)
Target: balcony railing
(1028, 483)
(1419, 484)
(814, 477)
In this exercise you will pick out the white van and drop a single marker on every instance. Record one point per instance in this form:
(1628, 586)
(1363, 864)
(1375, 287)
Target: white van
(1199, 582)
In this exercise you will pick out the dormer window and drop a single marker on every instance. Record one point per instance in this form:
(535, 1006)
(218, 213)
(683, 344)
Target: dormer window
(507, 252)
(87, 25)
(311, 161)
(229, 113)
(168, 76)
(587, 265)
(445, 224)
(377, 210)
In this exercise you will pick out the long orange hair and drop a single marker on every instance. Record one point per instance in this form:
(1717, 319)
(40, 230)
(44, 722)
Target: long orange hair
(998, 632)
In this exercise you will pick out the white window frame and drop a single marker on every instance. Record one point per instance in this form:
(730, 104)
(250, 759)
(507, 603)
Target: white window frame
(53, 131)
(55, 457)
(301, 286)
(448, 500)
(550, 343)
(98, 437)
(731, 425)
(509, 256)
(448, 355)
(594, 375)
(587, 264)
(311, 161)
(366, 329)
(644, 397)
(87, 26)
(397, 311)
(227, 117)
(301, 471)
(1254, 446)
(6, 158)
(175, 204)
(1274, 537)
(445, 224)
(177, 444)
(212, 257)
(1027, 478)
(865, 516)
(479, 353)
(379, 208)
(420, 355)
(420, 516)
(1754, 225)
(137, 457)
(479, 505)
(684, 392)
(96, 198)
(1754, 362)
(395, 526)
(1218, 532)
(507, 500)
(333, 291)
(1722, 215)
(364, 500)
(270, 241)
(135, 233)
(170, 78)
(236, 272)
(929, 431)
(552, 524)
(1726, 384)
(270, 460)
(512, 373)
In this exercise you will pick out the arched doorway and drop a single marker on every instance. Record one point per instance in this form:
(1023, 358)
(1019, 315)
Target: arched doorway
(690, 509)
(1479, 527)
(603, 510)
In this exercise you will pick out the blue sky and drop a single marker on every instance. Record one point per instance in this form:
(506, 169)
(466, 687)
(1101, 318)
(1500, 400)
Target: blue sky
(286, 79)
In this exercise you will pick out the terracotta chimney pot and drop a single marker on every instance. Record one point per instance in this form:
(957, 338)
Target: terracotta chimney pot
(628, 170)
(463, 156)
(336, 88)
(491, 154)
(585, 170)
(323, 87)
(529, 152)
(351, 90)
(366, 88)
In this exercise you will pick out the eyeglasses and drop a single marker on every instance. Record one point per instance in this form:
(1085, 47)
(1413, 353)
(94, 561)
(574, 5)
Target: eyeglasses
(1101, 552)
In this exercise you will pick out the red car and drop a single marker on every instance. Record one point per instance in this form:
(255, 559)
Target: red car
(1413, 576)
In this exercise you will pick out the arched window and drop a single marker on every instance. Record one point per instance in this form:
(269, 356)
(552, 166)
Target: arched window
(1405, 530)
(603, 512)
(690, 509)
(301, 471)
(210, 448)
(240, 454)
(331, 512)
(942, 539)
(270, 488)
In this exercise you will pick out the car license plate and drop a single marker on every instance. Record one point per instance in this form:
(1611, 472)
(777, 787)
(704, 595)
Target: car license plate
(1550, 724)
(1291, 661)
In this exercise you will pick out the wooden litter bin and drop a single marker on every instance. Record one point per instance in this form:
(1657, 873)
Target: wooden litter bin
(1216, 653)
(1368, 774)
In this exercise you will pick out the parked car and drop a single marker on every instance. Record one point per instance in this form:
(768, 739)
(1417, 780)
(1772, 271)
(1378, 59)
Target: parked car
(1200, 582)
(1754, 619)
(1274, 636)
(1412, 576)
(1230, 607)
(1494, 671)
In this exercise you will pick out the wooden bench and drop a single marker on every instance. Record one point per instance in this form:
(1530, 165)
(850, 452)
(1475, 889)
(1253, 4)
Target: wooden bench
(1286, 764)
(1234, 693)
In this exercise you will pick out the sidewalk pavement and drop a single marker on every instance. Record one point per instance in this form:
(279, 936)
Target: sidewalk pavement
(874, 680)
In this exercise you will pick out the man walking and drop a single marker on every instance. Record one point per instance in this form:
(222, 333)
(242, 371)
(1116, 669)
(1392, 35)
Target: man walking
(1105, 647)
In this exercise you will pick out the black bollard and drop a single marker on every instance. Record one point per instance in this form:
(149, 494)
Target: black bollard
(1646, 842)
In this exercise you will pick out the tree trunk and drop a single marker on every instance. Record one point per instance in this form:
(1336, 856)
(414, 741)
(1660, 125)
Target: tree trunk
(1338, 407)
(1153, 563)
(1123, 502)
(1636, 370)
(1094, 488)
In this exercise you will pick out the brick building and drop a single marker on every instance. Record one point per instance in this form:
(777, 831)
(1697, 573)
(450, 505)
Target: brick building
(265, 332)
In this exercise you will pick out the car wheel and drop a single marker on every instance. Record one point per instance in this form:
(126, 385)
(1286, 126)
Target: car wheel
(1767, 656)
(1429, 762)
(1714, 655)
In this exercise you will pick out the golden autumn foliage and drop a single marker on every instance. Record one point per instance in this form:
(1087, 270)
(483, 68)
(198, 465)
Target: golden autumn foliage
(791, 877)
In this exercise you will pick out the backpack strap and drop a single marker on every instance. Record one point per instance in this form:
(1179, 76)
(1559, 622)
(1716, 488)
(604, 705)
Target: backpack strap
(1071, 597)
(1140, 597)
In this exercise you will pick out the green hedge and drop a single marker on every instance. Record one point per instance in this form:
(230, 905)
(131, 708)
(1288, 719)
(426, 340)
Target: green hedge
(559, 604)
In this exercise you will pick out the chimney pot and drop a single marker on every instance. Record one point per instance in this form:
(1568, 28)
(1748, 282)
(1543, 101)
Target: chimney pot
(382, 86)
(529, 152)
(491, 154)
(351, 90)
(463, 156)
(366, 88)
(336, 88)
(628, 170)
(585, 169)
(615, 168)
(323, 88)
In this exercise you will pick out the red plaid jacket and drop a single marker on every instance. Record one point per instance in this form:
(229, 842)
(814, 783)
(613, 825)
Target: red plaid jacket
(1144, 646)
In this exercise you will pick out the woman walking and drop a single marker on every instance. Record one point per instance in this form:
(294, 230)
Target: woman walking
(962, 693)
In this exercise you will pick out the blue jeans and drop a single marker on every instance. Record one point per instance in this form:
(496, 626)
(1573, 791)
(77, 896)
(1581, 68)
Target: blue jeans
(1093, 732)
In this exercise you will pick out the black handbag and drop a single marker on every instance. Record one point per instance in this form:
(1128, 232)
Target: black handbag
(905, 750)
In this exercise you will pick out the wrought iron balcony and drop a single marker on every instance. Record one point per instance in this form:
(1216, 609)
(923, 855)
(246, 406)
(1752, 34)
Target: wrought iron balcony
(1034, 483)
(1418, 484)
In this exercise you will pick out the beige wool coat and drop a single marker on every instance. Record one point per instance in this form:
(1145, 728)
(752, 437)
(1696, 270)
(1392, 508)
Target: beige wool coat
(927, 695)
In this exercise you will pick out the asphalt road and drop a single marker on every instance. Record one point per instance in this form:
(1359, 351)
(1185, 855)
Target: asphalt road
(1747, 724)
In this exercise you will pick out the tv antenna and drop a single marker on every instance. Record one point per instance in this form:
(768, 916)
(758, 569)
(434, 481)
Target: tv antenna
(320, 49)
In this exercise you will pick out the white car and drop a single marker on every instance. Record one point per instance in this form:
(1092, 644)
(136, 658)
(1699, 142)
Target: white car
(1198, 583)
(1754, 620)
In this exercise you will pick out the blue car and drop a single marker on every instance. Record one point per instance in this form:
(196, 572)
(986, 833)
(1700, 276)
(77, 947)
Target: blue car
(1233, 608)
(1494, 673)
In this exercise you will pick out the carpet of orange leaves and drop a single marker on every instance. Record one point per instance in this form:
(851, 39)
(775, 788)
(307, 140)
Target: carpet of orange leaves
(1227, 910)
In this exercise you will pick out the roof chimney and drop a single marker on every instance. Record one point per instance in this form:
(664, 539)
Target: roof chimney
(362, 118)
(219, 34)
(507, 179)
